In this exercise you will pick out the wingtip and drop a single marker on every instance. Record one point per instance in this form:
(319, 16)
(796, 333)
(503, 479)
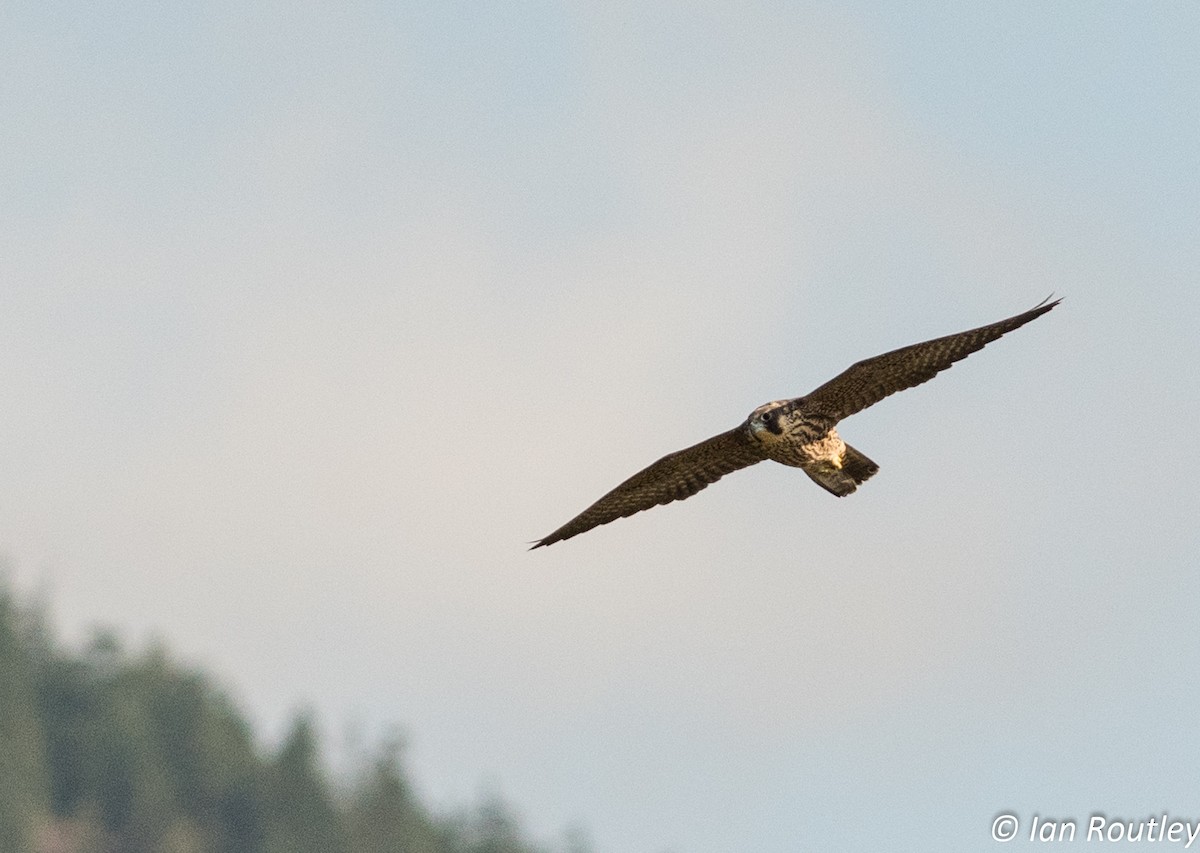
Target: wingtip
(538, 544)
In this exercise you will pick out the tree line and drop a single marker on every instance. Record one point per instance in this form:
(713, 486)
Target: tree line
(102, 751)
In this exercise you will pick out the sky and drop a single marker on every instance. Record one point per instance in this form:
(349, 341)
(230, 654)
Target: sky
(313, 316)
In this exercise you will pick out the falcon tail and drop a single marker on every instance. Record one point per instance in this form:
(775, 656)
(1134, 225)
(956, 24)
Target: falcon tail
(856, 468)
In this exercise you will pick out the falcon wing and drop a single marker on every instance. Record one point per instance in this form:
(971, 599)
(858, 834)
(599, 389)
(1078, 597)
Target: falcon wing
(674, 477)
(872, 379)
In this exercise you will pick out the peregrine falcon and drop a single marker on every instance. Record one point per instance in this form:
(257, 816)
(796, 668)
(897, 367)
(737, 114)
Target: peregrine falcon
(798, 432)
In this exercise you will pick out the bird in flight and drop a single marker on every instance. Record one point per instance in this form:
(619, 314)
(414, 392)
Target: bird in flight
(798, 432)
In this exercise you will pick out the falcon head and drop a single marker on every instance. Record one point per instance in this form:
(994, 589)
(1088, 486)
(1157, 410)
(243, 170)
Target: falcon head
(767, 421)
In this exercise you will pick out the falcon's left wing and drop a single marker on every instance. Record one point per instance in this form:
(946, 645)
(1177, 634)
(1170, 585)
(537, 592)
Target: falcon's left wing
(869, 381)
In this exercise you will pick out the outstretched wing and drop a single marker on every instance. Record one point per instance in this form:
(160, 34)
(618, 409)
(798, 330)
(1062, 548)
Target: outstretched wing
(674, 477)
(872, 379)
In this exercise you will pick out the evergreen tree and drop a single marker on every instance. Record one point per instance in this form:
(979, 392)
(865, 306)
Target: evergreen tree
(495, 829)
(384, 816)
(124, 771)
(24, 784)
(206, 749)
(155, 756)
(302, 816)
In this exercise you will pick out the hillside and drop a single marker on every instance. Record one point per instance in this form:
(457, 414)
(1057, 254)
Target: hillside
(102, 751)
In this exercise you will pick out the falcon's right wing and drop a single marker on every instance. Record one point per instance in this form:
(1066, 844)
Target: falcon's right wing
(676, 476)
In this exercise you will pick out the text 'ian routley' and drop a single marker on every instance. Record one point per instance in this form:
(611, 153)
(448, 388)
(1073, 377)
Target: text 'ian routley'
(1161, 828)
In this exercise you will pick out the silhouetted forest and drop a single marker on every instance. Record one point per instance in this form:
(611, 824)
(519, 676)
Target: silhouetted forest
(106, 752)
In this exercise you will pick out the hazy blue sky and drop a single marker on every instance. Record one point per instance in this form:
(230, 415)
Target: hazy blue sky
(311, 315)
